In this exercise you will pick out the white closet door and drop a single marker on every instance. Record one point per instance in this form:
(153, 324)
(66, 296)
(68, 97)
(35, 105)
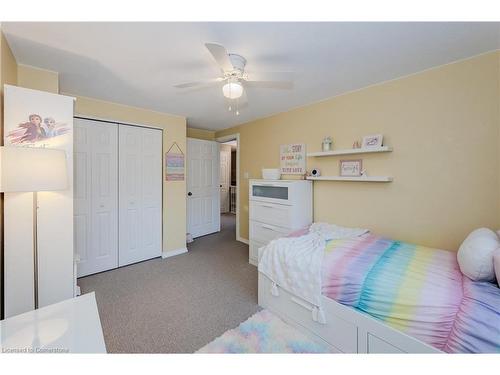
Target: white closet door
(203, 203)
(140, 194)
(96, 196)
(151, 222)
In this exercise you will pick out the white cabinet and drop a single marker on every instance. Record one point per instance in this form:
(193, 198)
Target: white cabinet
(277, 207)
(72, 325)
(54, 214)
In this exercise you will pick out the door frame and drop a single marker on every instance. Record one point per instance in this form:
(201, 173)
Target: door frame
(223, 139)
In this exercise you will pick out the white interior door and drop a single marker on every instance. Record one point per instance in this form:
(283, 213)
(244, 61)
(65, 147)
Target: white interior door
(96, 196)
(203, 201)
(140, 194)
(225, 179)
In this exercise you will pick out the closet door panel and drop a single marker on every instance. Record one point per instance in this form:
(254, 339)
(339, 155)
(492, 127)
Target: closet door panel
(105, 195)
(151, 191)
(96, 196)
(140, 174)
(82, 195)
(129, 194)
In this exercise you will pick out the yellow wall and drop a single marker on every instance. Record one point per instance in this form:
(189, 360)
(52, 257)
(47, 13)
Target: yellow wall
(8, 75)
(174, 192)
(174, 130)
(444, 126)
(37, 79)
(207, 135)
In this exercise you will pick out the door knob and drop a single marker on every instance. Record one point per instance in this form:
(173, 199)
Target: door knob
(190, 193)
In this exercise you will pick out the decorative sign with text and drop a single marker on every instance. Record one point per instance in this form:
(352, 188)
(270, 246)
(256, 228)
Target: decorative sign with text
(293, 158)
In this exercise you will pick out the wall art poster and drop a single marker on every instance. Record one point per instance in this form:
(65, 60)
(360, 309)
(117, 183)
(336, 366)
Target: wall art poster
(174, 166)
(293, 158)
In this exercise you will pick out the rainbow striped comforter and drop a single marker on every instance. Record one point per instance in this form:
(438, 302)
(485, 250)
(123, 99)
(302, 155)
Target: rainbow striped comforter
(415, 289)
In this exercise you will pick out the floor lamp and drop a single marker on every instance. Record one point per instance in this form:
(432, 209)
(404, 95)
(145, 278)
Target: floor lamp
(33, 169)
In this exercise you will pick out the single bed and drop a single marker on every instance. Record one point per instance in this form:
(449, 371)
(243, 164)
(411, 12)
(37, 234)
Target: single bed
(385, 296)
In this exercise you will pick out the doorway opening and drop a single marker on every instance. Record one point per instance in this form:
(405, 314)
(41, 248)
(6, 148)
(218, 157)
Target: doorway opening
(229, 183)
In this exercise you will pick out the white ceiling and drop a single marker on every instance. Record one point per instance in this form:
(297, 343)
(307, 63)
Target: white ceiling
(138, 63)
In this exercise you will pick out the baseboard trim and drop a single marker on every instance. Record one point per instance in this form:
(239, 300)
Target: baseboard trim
(171, 253)
(244, 240)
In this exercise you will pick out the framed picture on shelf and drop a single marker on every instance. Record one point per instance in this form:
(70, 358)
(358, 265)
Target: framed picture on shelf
(372, 141)
(351, 168)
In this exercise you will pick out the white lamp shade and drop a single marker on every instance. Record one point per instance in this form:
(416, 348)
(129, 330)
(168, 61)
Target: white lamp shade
(232, 90)
(32, 169)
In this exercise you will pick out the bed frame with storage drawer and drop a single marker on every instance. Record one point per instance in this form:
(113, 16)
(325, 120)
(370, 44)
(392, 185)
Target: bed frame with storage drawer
(346, 330)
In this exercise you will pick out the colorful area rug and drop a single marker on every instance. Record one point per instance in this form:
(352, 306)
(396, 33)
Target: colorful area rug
(263, 332)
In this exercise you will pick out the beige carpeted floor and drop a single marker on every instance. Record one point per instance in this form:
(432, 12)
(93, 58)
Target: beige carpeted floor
(178, 304)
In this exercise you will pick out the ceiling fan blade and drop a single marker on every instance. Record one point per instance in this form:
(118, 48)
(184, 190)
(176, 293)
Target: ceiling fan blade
(220, 56)
(269, 77)
(199, 83)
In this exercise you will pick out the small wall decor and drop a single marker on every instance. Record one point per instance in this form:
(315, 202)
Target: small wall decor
(293, 159)
(370, 141)
(351, 168)
(327, 144)
(174, 164)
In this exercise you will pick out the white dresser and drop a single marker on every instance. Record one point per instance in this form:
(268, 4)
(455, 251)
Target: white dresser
(277, 207)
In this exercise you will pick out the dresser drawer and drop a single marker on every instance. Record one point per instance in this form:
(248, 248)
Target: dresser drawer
(264, 233)
(271, 213)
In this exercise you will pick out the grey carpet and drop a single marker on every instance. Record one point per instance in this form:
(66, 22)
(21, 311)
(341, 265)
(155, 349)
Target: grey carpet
(178, 304)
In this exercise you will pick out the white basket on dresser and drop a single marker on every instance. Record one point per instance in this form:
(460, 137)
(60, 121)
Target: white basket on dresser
(277, 207)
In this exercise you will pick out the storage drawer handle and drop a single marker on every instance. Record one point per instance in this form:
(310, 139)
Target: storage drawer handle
(317, 314)
(302, 303)
(267, 206)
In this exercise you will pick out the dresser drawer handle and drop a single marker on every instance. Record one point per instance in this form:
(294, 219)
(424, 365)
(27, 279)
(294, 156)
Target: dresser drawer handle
(266, 227)
(267, 206)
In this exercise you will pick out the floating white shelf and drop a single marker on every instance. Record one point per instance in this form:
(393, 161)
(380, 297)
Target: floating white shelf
(359, 179)
(351, 151)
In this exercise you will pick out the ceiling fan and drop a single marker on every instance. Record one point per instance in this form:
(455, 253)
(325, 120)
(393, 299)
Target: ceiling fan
(235, 79)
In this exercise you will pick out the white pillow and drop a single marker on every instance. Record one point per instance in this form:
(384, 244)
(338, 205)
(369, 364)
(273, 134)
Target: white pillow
(475, 255)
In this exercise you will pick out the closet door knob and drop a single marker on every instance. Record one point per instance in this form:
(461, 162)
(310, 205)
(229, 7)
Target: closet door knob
(190, 193)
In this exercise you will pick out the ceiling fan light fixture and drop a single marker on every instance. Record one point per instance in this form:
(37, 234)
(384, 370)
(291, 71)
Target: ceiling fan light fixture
(232, 90)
